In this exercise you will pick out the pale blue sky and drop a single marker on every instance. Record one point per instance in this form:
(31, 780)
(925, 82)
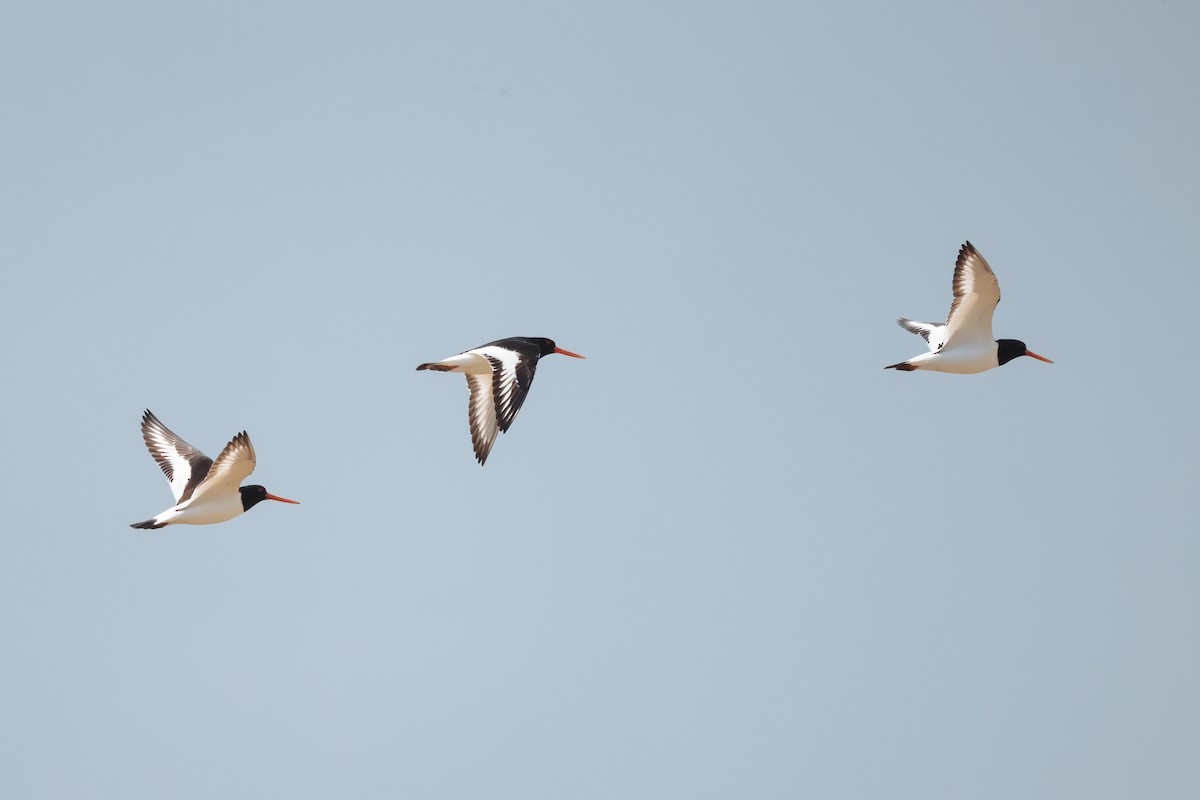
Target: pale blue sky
(726, 556)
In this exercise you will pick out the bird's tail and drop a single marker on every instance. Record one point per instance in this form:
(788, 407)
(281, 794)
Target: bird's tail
(903, 366)
(150, 524)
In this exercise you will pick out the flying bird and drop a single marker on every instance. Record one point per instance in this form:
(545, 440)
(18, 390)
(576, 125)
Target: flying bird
(964, 344)
(206, 491)
(498, 374)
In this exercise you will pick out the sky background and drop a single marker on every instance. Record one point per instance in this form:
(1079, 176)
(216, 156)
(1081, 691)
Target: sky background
(726, 556)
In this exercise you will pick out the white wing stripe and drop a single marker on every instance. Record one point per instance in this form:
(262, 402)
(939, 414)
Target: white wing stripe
(508, 392)
(181, 463)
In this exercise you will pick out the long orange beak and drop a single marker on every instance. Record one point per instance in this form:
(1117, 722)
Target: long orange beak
(1032, 354)
(282, 499)
(568, 353)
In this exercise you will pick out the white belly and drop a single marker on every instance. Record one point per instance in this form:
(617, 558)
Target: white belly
(959, 361)
(470, 363)
(207, 510)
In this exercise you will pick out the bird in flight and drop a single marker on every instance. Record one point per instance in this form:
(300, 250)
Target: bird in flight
(206, 491)
(964, 344)
(498, 374)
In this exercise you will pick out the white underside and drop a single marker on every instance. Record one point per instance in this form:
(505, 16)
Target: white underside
(470, 363)
(210, 511)
(959, 360)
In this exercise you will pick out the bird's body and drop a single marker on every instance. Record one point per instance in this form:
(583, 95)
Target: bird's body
(963, 344)
(499, 375)
(206, 491)
(218, 509)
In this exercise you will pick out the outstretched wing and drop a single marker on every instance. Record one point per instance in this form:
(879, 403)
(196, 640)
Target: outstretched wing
(512, 375)
(184, 465)
(482, 413)
(976, 293)
(233, 466)
(933, 333)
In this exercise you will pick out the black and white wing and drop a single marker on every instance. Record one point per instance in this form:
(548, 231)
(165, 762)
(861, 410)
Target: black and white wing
(482, 412)
(233, 466)
(512, 375)
(184, 465)
(976, 293)
(933, 333)
(496, 398)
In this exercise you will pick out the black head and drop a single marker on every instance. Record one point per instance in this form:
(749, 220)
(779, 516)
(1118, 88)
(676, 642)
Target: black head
(544, 345)
(254, 494)
(526, 345)
(1008, 349)
(539, 344)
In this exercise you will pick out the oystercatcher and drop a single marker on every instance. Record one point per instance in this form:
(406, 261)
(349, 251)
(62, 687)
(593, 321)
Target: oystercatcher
(964, 345)
(206, 491)
(498, 374)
